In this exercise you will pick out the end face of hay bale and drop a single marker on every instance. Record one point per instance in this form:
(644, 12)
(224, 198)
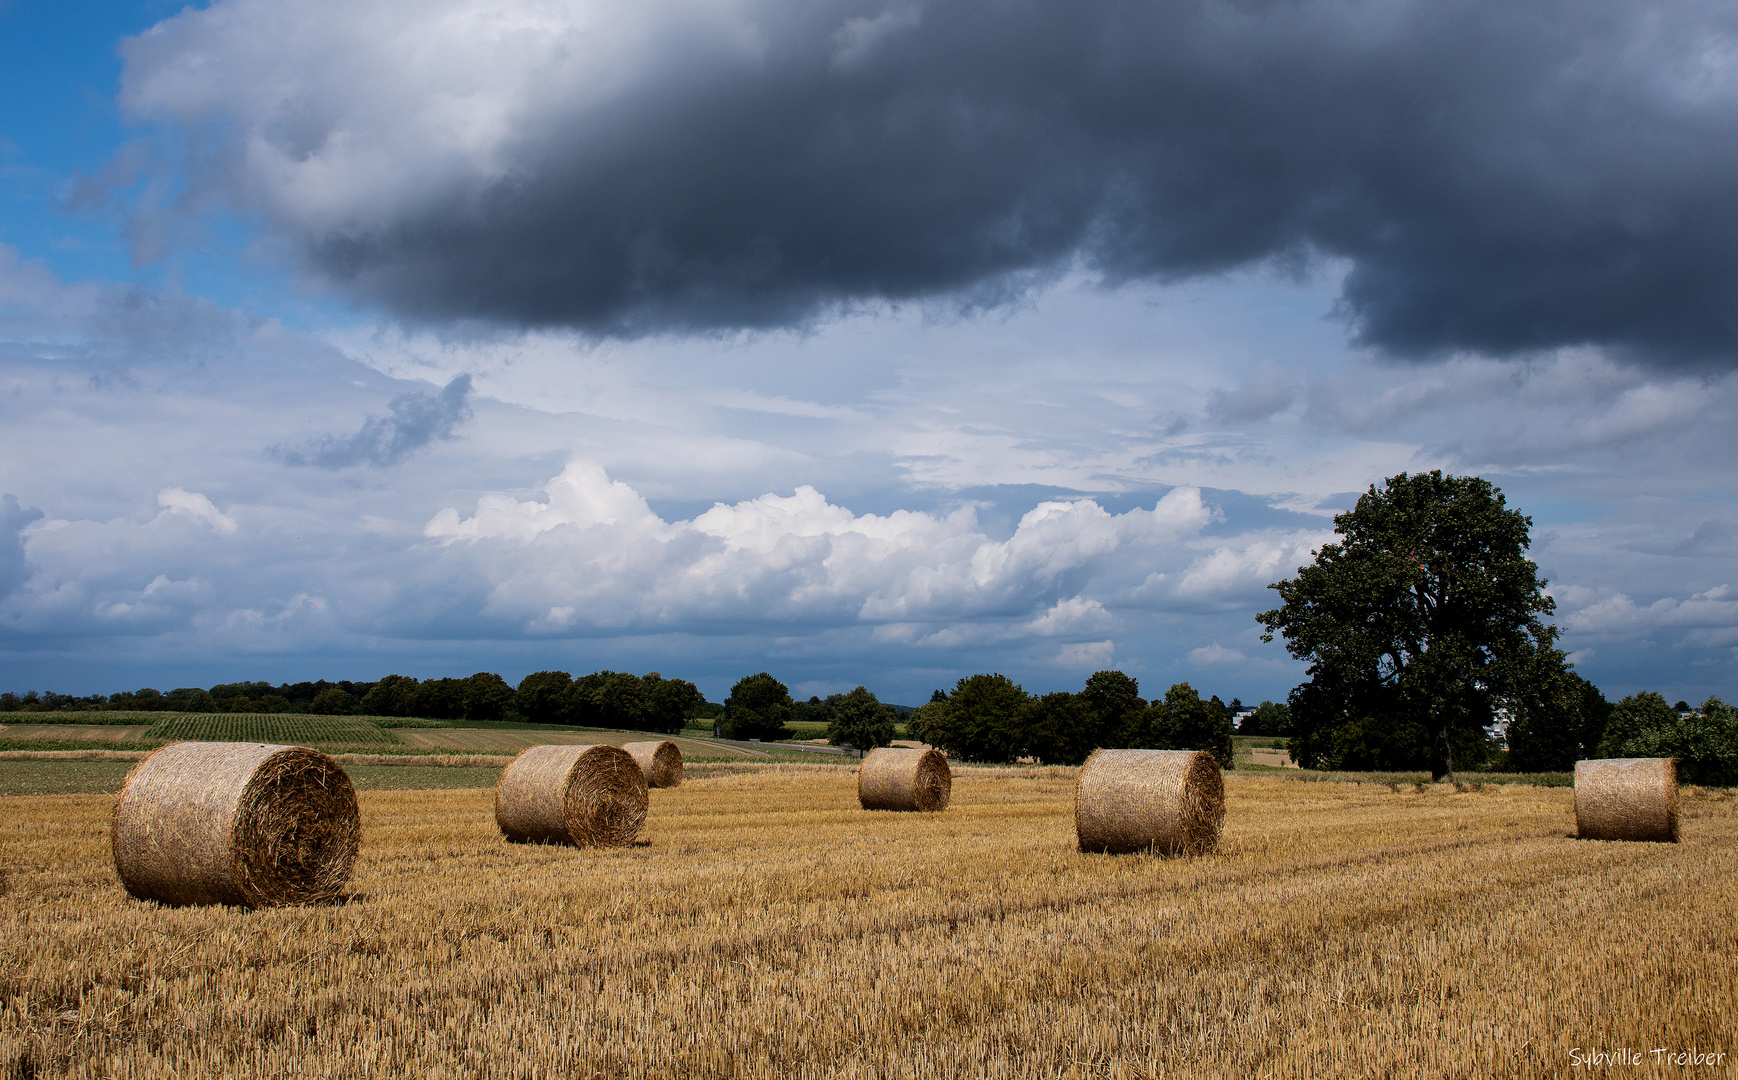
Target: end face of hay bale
(661, 762)
(1627, 799)
(587, 796)
(1168, 801)
(904, 778)
(236, 823)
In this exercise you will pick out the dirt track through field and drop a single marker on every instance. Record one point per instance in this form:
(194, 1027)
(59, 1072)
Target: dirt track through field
(769, 928)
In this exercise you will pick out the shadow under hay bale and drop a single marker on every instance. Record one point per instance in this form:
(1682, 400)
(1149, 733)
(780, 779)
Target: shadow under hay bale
(660, 761)
(236, 823)
(587, 796)
(1168, 801)
(903, 778)
(1627, 799)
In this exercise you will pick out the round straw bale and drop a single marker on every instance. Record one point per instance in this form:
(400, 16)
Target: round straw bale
(1627, 799)
(904, 778)
(587, 796)
(1168, 801)
(660, 761)
(236, 823)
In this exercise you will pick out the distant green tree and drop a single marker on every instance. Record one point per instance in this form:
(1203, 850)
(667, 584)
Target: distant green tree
(670, 702)
(194, 699)
(1412, 624)
(272, 703)
(984, 719)
(1704, 741)
(391, 696)
(486, 696)
(1630, 718)
(1556, 717)
(813, 711)
(545, 697)
(1116, 704)
(859, 719)
(932, 712)
(1269, 718)
(144, 699)
(1062, 728)
(757, 708)
(611, 699)
(439, 699)
(1184, 722)
(332, 702)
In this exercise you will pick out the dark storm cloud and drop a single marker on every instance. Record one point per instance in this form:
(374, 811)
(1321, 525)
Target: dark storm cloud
(1501, 176)
(416, 421)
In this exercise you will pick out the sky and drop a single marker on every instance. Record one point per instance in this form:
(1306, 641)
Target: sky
(858, 341)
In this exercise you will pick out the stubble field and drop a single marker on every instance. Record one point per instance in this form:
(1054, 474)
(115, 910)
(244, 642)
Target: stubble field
(766, 927)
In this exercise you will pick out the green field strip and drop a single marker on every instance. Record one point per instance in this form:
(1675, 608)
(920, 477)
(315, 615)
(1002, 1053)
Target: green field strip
(349, 731)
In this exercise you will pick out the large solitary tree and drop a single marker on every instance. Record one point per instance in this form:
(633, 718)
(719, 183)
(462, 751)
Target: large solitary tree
(1416, 624)
(757, 708)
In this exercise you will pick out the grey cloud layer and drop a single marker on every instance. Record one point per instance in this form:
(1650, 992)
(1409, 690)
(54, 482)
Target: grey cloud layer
(1501, 176)
(417, 419)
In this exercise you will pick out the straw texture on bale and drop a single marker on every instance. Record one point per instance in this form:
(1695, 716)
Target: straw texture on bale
(660, 761)
(1168, 801)
(587, 796)
(1627, 799)
(904, 778)
(236, 823)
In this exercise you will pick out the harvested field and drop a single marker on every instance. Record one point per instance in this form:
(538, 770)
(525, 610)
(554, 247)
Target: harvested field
(119, 734)
(73, 775)
(770, 928)
(496, 741)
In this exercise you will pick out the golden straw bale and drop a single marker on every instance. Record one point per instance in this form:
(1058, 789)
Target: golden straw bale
(1627, 799)
(1168, 801)
(660, 761)
(903, 778)
(587, 796)
(236, 823)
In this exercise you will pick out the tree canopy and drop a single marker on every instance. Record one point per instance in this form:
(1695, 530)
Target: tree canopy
(757, 708)
(858, 719)
(1415, 625)
(992, 718)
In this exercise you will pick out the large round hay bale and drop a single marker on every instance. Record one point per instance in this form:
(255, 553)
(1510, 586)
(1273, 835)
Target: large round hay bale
(587, 796)
(1168, 801)
(904, 778)
(1627, 799)
(660, 761)
(236, 823)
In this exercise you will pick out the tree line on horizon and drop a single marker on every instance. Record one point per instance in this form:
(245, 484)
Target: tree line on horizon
(988, 718)
(647, 702)
(1422, 627)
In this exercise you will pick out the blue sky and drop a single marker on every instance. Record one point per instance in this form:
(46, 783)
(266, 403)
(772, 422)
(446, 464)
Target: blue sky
(858, 342)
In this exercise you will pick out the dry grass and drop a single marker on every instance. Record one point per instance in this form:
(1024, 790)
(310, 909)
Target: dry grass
(770, 928)
(511, 742)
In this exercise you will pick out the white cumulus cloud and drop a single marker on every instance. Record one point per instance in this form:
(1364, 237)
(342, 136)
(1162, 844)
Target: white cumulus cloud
(595, 553)
(175, 500)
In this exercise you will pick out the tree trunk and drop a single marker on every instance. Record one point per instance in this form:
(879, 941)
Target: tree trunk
(1442, 763)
